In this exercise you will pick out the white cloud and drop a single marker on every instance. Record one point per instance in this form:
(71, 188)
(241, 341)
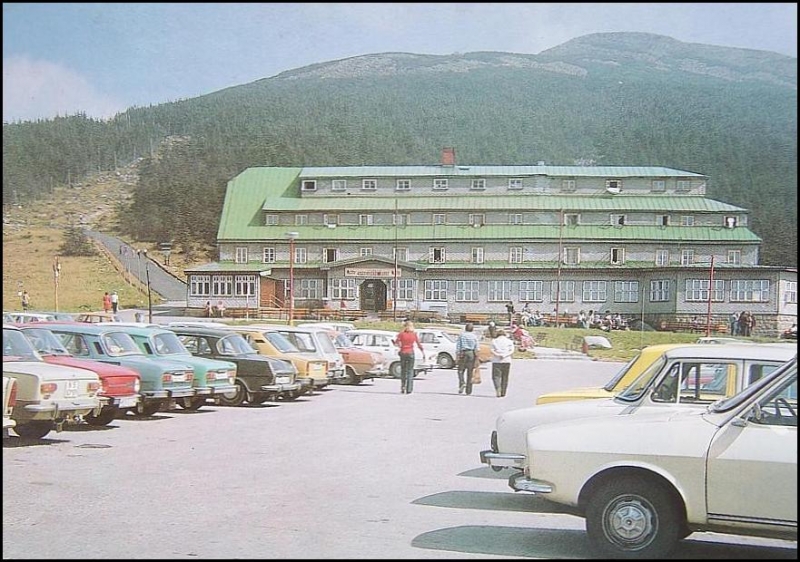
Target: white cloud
(39, 89)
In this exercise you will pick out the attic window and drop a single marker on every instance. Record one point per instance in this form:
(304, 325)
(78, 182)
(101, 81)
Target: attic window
(614, 185)
(339, 185)
(308, 185)
(478, 184)
(515, 183)
(369, 185)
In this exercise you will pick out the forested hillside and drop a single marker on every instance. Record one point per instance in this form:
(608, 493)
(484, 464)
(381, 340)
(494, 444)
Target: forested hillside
(612, 99)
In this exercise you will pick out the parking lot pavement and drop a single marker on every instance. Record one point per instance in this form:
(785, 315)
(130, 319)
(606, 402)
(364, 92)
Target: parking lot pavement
(351, 472)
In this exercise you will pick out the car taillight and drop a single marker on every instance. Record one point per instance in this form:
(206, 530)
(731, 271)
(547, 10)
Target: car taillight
(137, 385)
(12, 397)
(47, 389)
(166, 378)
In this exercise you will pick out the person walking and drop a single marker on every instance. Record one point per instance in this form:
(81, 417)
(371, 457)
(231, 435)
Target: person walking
(502, 350)
(114, 302)
(734, 323)
(406, 340)
(467, 353)
(26, 300)
(106, 302)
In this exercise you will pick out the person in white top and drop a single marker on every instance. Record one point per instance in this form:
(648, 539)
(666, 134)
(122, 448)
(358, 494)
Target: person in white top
(502, 350)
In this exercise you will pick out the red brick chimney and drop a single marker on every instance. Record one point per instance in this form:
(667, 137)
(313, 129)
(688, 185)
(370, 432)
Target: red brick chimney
(448, 156)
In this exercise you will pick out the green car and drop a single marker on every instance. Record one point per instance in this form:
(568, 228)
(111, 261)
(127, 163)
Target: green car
(212, 377)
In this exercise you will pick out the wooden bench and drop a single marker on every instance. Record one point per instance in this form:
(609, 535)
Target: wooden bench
(700, 328)
(475, 318)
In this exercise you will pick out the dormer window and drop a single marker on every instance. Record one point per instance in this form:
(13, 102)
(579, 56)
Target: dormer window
(515, 183)
(369, 185)
(658, 186)
(440, 183)
(618, 220)
(683, 186)
(478, 184)
(308, 185)
(613, 185)
(403, 185)
(568, 186)
(339, 185)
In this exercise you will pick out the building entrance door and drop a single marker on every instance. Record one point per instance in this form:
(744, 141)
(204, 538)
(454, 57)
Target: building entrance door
(272, 293)
(373, 295)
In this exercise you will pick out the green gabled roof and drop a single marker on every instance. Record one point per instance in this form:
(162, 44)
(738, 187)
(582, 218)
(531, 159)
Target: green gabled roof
(465, 233)
(485, 171)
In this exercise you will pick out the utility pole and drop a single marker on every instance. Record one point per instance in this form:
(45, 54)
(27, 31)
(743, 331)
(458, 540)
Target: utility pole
(710, 293)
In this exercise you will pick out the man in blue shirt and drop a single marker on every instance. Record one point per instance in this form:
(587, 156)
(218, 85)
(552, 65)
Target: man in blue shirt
(467, 353)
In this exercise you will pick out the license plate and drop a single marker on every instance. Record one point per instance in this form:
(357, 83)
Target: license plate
(128, 402)
(178, 378)
(71, 390)
(283, 380)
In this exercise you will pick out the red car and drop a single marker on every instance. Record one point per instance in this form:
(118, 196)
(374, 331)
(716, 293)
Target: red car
(120, 385)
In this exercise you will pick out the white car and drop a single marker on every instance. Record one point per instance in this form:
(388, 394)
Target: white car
(690, 376)
(442, 343)
(9, 400)
(382, 341)
(645, 482)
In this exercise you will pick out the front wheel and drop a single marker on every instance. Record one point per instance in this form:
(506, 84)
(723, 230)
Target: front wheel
(352, 376)
(633, 518)
(395, 370)
(34, 429)
(445, 361)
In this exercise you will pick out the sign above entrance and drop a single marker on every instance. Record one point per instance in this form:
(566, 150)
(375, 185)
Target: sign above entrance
(366, 272)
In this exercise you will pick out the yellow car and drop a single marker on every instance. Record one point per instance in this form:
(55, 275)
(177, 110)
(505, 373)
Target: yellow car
(618, 382)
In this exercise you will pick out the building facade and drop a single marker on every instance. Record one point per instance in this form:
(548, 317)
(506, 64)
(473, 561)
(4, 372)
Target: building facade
(455, 239)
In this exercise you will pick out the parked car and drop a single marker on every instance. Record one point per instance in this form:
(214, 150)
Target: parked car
(317, 342)
(312, 369)
(23, 317)
(645, 482)
(212, 377)
(688, 376)
(258, 377)
(327, 325)
(617, 383)
(382, 341)
(162, 380)
(9, 401)
(440, 342)
(119, 386)
(97, 317)
(360, 364)
(47, 395)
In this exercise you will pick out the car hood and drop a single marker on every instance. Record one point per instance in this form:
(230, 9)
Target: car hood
(46, 371)
(582, 393)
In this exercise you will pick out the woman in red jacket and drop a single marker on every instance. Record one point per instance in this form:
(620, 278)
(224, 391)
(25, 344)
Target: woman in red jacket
(406, 340)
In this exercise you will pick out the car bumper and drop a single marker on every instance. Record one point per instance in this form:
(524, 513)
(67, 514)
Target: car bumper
(179, 393)
(522, 483)
(503, 460)
(58, 410)
(219, 389)
(287, 387)
(122, 401)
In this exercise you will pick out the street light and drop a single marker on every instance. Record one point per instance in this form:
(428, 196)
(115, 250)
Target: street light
(56, 273)
(292, 236)
(149, 294)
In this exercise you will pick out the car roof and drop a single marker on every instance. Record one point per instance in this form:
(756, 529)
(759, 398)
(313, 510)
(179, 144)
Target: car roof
(96, 328)
(202, 331)
(782, 351)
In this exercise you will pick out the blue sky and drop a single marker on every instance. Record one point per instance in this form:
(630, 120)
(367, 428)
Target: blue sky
(59, 59)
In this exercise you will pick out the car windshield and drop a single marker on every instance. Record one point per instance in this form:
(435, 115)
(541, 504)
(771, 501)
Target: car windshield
(611, 385)
(16, 347)
(280, 342)
(302, 340)
(325, 343)
(449, 336)
(638, 387)
(118, 344)
(234, 345)
(734, 401)
(342, 341)
(45, 342)
(168, 343)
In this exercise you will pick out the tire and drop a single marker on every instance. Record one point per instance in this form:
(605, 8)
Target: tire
(192, 403)
(256, 398)
(394, 369)
(289, 396)
(445, 361)
(234, 398)
(146, 409)
(107, 415)
(34, 429)
(633, 518)
(352, 376)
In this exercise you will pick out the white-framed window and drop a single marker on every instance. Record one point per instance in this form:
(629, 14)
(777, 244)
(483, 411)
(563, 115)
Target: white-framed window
(364, 252)
(790, 295)
(683, 185)
(697, 290)
(626, 291)
(467, 291)
(308, 185)
(365, 220)
(200, 286)
(300, 255)
(436, 254)
(687, 257)
(270, 220)
(572, 219)
(498, 291)
(663, 220)
(477, 255)
(618, 220)
(531, 291)
(515, 254)
(687, 220)
(659, 290)
(439, 218)
(567, 292)
(339, 185)
(401, 219)
(405, 289)
(310, 289)
(440, 183)
(244, 285)
(734, 257)
(300, 220)
(614, 184)
(435, 290)
(330, 255)
(730, 221)
(750, 290)
(662, 257)
(617, 256)
(568, 186)
(241, 254)
(342, 289)
(515, 218)
(268, 255)
(477, 219)
(401, 254)
(594, 291)
(402, 185)
(515, 183)
(572, 256)
(658, 186)
(330, 219)
(477, 184)
(369, 184)
(222, 285)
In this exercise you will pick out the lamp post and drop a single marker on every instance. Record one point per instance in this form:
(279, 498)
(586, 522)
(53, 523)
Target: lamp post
(710, 293)
(292, 236)
(56, 273)
(149, 294)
